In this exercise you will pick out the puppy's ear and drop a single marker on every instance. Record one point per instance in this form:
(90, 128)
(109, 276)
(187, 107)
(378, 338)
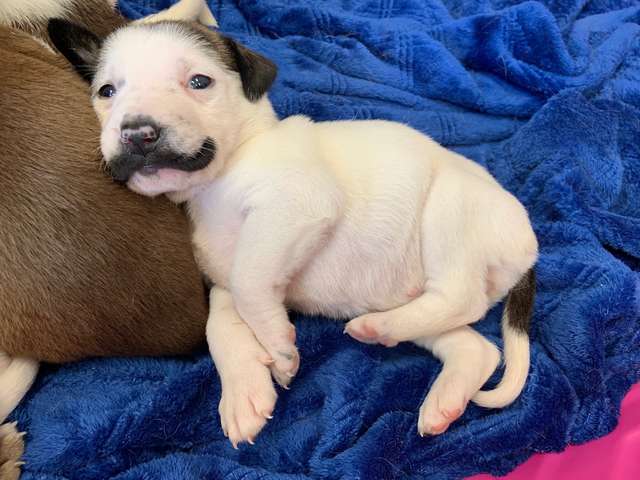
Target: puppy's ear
(80, 46)
(256, 72)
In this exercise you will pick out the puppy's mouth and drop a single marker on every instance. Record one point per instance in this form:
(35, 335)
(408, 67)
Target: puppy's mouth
(124, 165)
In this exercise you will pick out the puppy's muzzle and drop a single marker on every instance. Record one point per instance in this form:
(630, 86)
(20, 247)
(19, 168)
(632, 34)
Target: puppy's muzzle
(144, 149)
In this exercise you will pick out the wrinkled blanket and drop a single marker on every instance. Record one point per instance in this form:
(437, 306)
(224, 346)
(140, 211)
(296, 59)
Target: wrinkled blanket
(546, 94)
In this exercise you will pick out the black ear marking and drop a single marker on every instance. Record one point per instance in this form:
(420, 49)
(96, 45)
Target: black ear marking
(256, 72)
(77, 44)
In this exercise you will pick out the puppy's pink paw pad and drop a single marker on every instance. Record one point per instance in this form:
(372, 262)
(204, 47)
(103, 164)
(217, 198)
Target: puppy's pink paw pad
(364, 333)
(370, 329)
(453, 414)
(445, 403)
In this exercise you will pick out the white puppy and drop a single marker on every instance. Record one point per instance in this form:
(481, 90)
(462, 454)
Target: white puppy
(364, 219)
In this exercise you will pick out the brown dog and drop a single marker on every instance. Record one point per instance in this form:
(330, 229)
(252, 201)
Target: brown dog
(87, 268)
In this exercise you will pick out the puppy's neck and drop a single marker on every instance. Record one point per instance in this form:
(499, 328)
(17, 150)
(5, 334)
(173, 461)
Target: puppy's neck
(255, 120)
(262, 118)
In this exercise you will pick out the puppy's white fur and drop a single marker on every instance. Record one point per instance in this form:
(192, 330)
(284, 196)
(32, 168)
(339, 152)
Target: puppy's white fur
(194, 10)
(28, 12)
(364, 219)
(23, 12)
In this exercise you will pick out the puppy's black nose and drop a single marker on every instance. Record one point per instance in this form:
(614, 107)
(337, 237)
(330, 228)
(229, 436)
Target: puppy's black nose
(139, 135)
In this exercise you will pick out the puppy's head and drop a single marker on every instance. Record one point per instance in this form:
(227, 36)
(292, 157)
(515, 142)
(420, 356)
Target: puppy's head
(173, 99)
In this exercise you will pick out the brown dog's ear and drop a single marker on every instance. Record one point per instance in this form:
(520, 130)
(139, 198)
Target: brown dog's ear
(80, 46)
(256, 72)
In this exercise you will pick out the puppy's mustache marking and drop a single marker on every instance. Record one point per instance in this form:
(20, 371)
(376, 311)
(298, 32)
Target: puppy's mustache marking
(123, 166)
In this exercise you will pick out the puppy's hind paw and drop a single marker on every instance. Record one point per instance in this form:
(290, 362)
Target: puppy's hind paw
(445, 403)
(371, 328)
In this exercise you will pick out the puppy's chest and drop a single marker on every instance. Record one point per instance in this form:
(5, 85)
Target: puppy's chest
(215, 237)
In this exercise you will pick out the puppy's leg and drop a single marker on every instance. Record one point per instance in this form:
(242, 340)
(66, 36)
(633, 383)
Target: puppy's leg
(456, 248)
(11, 450)
(261, 274)
(248, 396)
(16, 377)
(468, 359)
(456, 299)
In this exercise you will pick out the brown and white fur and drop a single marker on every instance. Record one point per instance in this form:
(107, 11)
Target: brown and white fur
(76, 278)
(364, 219)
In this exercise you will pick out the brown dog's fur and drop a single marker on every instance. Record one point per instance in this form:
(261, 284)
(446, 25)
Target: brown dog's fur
(88, 268)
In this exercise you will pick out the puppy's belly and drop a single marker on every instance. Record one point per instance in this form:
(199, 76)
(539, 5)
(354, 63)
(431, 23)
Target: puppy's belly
(344, 281)
(364, 266)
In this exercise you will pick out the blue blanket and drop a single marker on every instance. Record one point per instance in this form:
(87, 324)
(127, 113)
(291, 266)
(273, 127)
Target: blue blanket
(546, 94)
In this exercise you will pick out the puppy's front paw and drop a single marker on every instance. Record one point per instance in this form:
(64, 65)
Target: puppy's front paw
(285, 365)
(281, 346)
(11, 450)
(247, 402)
(372, 328)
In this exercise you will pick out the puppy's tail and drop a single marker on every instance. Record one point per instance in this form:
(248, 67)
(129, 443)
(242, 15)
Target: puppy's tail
(516, 318)
(15, 380)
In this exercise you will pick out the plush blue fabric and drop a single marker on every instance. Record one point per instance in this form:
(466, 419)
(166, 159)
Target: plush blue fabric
(545, 94)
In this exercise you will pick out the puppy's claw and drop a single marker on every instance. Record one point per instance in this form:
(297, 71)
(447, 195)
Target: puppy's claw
(266, 415)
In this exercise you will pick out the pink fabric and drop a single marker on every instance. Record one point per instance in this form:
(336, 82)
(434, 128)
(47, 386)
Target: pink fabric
(614, 457)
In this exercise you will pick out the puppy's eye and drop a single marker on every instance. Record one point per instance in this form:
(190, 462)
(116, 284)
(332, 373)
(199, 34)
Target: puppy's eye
(200, 82)
(107, 91)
